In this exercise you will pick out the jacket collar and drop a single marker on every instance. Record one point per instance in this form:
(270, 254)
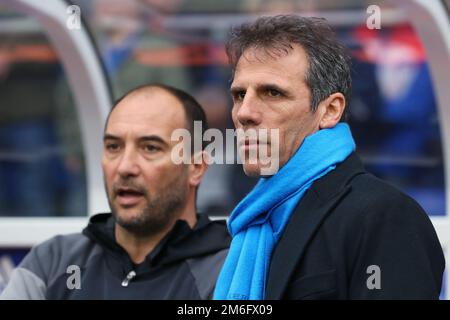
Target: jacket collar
(180, 243)
(307, 217)
(334, 183)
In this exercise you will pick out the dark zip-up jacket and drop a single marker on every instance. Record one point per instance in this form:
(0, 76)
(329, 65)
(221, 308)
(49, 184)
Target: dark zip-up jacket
(91, 265)
(353, 236)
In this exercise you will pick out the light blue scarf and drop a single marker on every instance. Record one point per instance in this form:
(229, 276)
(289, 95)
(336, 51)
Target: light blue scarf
(258, 221)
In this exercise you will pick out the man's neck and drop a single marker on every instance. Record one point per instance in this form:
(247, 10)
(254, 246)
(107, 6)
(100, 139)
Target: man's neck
(138, 246)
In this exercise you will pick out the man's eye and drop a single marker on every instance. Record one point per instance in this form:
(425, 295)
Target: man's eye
(112, 147)
(274, 93)
(151, 148)
(239, 95)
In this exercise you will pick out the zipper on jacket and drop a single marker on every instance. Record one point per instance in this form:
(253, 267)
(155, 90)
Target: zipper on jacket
(129, 277)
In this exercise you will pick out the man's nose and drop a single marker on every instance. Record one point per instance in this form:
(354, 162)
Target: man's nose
(128, 165)
(249, 113)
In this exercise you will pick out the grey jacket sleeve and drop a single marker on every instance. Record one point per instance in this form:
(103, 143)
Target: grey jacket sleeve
(24, 285)
(28, 280)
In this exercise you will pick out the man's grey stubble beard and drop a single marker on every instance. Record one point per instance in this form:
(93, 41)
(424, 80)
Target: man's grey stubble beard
(158, 213)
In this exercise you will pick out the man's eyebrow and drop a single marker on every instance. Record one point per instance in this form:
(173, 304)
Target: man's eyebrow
(108, 136)
(263, 87)
(236, 89)
(153, 138)
(271, 86)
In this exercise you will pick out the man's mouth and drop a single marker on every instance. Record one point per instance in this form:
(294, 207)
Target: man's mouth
(128, 196)
(251, 143)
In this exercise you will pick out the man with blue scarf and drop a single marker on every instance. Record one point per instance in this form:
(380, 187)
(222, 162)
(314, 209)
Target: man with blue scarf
(320, 227)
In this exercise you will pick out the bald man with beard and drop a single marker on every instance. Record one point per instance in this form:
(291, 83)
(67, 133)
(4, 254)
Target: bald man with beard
(153, 244)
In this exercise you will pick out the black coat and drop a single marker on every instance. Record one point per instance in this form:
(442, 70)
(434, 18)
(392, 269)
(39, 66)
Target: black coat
(349, 224)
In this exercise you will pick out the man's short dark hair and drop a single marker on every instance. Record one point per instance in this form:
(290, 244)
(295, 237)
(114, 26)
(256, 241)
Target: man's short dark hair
(192, 109)
(328, 60)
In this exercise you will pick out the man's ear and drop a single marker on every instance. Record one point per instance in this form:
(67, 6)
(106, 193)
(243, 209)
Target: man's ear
(331, 110)
(198, 168)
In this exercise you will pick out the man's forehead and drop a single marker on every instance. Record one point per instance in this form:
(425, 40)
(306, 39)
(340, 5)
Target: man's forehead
(152, 110)
(281, 65)
(271, 52)
(149, 101)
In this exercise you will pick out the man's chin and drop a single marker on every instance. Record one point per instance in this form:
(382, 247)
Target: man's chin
(252, 170)
(258, 170)
(127, 215)
(131, 223)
